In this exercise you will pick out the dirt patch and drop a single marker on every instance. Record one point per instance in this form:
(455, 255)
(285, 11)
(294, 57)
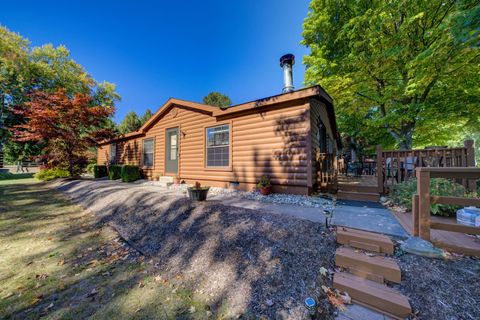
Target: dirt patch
(441, 289)
(251, 263)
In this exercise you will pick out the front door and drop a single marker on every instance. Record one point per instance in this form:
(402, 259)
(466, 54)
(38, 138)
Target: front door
(171, 162)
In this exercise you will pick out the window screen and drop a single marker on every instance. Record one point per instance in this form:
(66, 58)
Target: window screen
(218, 146)
(148, 153)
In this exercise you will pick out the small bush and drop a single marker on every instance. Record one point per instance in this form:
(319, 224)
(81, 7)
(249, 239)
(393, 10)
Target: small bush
(264, 182)
(114, 172)
(50, 174)
(99, 171)
(401, 194)
(130, 173)
(90, 167)
(6, 175)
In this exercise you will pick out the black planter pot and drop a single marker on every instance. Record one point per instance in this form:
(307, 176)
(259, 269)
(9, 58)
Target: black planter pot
(198, 194)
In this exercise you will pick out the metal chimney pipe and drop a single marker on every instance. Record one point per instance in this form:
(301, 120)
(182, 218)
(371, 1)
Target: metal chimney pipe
(286, 62)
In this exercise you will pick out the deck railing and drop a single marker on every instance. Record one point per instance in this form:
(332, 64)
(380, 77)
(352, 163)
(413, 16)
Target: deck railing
(422, 221)
(326, 169)
(400, 165)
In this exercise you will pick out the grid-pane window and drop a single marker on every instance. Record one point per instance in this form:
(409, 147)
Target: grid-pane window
(218, 146)
(148, 153)
(113, 152)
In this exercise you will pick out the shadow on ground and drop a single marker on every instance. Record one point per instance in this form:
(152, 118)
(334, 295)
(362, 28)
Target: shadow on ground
(239, 262)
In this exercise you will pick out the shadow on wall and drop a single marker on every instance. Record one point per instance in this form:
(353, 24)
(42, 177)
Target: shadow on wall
(285, 165)
(293, 155)
(131, 155)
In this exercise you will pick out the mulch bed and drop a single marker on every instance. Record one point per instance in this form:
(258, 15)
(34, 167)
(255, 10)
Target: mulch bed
(244, 263)
(441, 289)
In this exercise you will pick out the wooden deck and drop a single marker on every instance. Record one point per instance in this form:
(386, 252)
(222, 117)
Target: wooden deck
(367, 181)
(363, 188)
(452, 241)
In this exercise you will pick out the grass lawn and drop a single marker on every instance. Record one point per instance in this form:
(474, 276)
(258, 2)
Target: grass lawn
(58, 263)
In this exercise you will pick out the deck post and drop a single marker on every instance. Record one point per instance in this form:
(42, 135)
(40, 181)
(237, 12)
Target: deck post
(380, 182)
(415, 216)
(423, 191)
(380, 169)
(470, 162)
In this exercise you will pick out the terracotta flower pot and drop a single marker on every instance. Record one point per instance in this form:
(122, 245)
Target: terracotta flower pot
(265, 190)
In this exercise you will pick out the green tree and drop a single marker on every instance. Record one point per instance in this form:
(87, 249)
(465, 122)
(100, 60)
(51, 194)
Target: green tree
(405, 71)
(45, 68)
(130, 123)
(146, 116)
(217, 99)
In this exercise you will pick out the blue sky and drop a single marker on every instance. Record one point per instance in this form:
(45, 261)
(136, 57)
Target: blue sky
(154, 50)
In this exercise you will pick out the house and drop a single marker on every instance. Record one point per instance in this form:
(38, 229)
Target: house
(292, 137)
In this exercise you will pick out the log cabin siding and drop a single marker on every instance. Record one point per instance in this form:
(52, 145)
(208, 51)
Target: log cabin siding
(274, 139)
(270, 142)
(103, 154)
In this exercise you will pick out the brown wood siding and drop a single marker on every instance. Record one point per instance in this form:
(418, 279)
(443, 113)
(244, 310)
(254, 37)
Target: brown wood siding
(103, 154)
(272, 142)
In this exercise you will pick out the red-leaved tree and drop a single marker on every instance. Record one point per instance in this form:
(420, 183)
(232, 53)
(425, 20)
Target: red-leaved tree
(67, 126)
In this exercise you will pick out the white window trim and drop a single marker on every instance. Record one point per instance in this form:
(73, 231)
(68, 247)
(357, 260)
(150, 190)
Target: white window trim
(153, 152)
(229, 166)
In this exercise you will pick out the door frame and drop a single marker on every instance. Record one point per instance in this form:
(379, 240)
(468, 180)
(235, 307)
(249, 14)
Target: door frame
(178, 150)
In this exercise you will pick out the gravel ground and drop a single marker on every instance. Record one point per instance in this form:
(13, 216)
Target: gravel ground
(277, 198)
(255, 263)
(441, 289)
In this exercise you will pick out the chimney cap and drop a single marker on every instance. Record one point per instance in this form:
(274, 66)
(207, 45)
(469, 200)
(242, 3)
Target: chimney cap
(287, 58)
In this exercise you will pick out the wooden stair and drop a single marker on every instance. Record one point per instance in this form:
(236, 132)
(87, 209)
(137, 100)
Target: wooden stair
(358, 196)
(358, 192)
(365, 240)
(373, 267)
(366, 273)
(373, 295)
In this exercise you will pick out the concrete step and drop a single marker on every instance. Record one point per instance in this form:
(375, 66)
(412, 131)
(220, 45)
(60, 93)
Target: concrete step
(358, 196)
(374, 268)
(162, 184)
(165, 179)
(365, 240)
(373, 295)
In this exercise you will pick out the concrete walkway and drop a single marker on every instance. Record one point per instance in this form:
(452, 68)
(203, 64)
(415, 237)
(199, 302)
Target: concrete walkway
(366, 216)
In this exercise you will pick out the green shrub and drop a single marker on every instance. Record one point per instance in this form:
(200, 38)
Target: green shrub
(401, 194)
(6, 175)
(50, 174)
(90, 167)
(114, 172)
(130, 173)
(99, 171)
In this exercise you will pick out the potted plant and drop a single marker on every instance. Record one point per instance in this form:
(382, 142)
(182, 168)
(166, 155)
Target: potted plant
(197, 192)
(177, 179)
(264, 185)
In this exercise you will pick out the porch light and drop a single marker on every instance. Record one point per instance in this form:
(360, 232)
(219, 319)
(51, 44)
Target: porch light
(328, 216)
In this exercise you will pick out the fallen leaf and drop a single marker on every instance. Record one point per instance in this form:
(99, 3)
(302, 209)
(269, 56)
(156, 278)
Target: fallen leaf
(346, 298)
(323, 271)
